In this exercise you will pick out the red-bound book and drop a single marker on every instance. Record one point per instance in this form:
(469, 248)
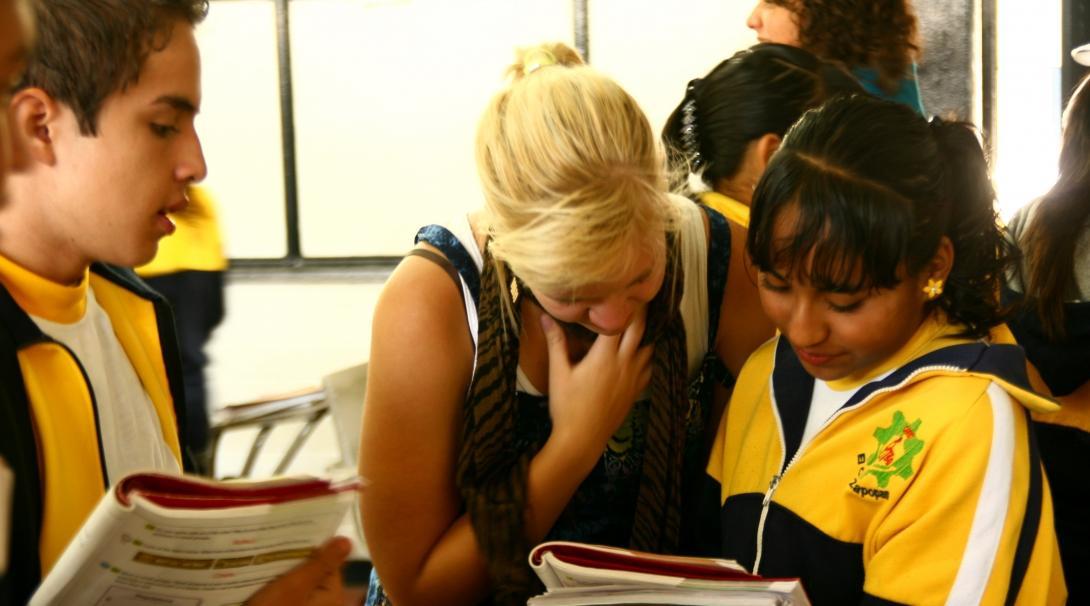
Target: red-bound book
(158, 538)
(584, 574)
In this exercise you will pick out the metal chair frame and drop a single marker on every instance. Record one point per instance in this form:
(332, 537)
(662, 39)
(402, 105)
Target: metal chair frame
(311, 407)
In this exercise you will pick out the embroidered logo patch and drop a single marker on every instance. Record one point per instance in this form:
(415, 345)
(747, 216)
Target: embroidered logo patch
(898, 445)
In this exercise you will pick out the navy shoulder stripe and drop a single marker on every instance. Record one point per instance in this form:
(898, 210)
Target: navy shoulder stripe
(793, 388)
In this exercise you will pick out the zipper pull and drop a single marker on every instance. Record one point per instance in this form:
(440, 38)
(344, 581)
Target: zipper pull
(771, 489)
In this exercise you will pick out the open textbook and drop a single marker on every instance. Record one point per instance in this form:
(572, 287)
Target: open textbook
(185, 541)
(578, 573)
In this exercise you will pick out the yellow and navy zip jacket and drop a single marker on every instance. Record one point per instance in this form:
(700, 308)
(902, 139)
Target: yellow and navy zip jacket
(925, 487)
(49, 416)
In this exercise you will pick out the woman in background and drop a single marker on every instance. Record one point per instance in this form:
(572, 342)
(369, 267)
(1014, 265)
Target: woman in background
(531, 364)
(731, 121)
(1054, 328)
(879, 449)
(875, 39)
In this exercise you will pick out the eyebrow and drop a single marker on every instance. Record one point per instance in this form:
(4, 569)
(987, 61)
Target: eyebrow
(178, 102)
(640, 278)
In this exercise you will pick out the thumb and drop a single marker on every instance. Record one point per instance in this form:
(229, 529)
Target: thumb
(301, 581)
(557, 342)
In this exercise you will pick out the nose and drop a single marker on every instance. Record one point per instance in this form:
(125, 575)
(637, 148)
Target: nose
(613, 315)
(807, 326)
(754, 20)
(191, 167)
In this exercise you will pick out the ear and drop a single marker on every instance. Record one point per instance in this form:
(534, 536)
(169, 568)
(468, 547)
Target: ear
(938, 268)
(765, 147)
(35, 118)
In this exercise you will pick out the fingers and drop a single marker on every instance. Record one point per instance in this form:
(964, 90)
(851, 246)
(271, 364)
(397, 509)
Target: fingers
(324, 561)
(297, 585)
(643, 362)
(644, 378)
(557, 343)
(633, 334)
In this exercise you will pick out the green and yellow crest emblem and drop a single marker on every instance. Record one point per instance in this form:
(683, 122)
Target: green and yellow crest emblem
(898, 445)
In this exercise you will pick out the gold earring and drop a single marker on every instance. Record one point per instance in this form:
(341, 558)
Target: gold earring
(933, 289)
(514, 290)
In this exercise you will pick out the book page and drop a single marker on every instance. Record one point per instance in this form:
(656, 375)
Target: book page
(628, 595)
(188, 557)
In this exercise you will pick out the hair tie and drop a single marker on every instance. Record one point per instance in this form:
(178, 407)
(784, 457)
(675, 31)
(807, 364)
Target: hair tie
(690, 139)
(537, 59)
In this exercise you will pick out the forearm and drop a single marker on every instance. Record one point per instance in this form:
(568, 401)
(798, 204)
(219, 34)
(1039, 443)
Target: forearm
(454, 571)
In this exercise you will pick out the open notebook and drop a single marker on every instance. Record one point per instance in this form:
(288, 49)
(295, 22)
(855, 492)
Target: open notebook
(578, 573)
(166, 539)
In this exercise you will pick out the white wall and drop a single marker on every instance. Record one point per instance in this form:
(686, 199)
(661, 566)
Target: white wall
(285, 335)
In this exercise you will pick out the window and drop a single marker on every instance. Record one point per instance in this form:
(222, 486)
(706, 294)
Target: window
(382, 101)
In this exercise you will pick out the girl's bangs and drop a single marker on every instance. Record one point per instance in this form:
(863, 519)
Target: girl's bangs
(832, 234)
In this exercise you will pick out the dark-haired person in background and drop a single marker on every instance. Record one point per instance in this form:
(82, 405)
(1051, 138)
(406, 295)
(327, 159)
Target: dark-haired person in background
(1054, 328)
(90, 380)
(733, 119)
(879, 449)
(875, 39)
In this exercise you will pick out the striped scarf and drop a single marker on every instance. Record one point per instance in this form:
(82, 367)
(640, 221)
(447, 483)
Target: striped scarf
(492, 475)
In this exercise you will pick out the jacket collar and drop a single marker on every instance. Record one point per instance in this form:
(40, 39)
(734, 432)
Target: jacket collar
(936, 353)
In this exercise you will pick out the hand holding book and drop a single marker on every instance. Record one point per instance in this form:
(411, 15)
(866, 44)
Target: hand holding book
(156, 538)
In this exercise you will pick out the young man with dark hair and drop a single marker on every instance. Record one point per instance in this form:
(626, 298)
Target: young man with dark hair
(90, 378)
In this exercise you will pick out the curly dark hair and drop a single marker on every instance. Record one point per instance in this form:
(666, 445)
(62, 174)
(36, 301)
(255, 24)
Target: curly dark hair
(879, 34)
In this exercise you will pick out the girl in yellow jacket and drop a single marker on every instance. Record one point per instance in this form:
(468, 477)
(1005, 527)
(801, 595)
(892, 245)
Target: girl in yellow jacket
(878, 448)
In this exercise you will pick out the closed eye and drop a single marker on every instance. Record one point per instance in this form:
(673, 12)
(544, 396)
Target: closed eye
(846, 307)
(163, 130)
(768, 284)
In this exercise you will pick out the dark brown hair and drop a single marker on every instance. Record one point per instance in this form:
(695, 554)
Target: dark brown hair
(879, 34)
(88, 49)
(876, 188)
(763, 89)
(1061, 215)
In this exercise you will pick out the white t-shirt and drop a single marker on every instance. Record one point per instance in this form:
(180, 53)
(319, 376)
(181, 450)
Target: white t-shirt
(825, 402)
(132, 438)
